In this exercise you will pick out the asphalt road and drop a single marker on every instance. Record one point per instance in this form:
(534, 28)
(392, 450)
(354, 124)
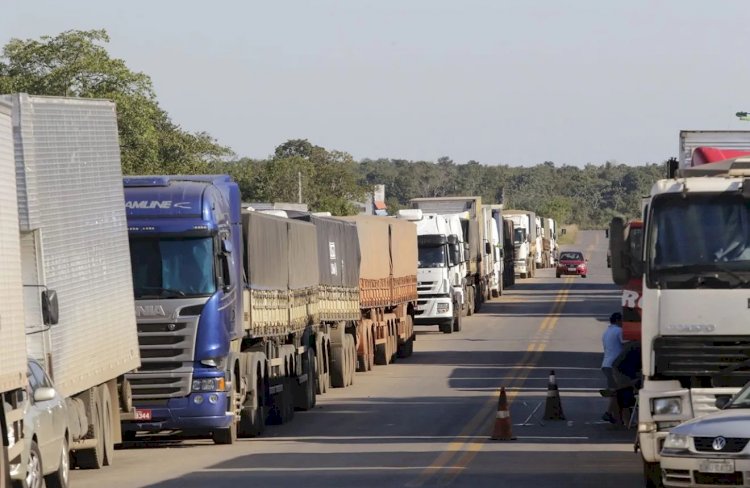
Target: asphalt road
(426, 420)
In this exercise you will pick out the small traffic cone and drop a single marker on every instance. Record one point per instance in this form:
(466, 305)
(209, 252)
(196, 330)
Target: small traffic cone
(501, 431)
(553, 408)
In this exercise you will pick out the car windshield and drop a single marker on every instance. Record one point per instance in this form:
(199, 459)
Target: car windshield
(432, 257)
(699, 241)
(172, 267)
(741, 399)
(519, 235)
(571, 256)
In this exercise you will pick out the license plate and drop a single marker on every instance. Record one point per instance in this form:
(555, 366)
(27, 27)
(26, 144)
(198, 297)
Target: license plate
(717, 466)
(142, 414)
(571, 269)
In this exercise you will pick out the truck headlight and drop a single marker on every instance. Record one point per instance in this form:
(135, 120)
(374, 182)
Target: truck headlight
(443, 307)
(666, 406)
(677, 441)
(209, 384)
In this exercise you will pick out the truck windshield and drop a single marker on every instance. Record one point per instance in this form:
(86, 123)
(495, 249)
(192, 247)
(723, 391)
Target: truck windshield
(519, 235)
(172, 267)
(433, 257)
(699, 241)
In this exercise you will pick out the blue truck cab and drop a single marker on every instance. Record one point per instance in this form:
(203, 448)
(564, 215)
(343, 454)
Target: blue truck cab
(186, 255)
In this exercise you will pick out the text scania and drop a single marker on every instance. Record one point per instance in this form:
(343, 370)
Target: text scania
(152, 204)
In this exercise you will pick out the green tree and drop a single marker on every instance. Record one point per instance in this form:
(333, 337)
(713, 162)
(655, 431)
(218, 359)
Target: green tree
(76, 64)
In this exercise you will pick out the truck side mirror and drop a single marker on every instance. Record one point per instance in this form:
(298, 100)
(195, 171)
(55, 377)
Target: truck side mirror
(502, 253)
(50, 308)
(487, 248)
(722, 401)
(620, 268)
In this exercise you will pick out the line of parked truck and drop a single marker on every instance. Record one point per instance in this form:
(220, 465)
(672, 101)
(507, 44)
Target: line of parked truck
(163, 303)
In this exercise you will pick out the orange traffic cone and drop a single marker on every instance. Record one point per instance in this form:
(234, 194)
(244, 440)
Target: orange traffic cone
(553, 409)
(502, 428)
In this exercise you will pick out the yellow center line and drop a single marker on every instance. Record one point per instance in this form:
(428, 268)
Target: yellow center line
(530, 357)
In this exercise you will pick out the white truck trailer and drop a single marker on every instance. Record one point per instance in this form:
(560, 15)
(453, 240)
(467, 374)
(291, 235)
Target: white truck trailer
(12, 333)
(74, 251)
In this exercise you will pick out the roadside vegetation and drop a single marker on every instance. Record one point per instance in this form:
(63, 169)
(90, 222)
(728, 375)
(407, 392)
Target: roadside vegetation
(77, 63)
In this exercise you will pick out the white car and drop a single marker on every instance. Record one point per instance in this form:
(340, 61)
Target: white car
(45, 458)
(711, 450)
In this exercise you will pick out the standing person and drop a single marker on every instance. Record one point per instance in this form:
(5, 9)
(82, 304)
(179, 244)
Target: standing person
(612, 345)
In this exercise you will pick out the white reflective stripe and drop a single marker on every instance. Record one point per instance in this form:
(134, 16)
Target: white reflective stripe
(503, 414)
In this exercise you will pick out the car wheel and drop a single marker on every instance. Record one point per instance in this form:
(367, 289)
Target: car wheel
(60, 478)
(34, 471)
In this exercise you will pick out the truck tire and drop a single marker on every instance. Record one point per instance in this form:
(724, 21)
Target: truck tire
(339, 358)
(456, 326)
(304, 393)
(253, 417)
(61, 477)
(446, 328)
(351, 363)
(228, 435)
(382, 356)
(652, 475)
(323, 381)
(109, 445)
(93, 458)
(470, 301)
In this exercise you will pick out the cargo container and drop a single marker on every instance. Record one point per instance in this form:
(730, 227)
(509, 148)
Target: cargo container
(77, 295)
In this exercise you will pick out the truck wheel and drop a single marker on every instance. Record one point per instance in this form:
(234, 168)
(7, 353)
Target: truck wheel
(457, 323)
(445, 328)
(323, 369)
(652, 475)
(351, 364)
(229, 434)
(470, 301)
(253, 418)
(338, 365)
(382, 358)
(304, 398)
(109, 445)
(93, 458)
(61, 477)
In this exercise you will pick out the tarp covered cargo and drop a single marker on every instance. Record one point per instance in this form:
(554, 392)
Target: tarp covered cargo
(304, 277)
(12, 332)
(404, 260)
(74, 238)
(375, 263)
(338, 262)
(267, 270)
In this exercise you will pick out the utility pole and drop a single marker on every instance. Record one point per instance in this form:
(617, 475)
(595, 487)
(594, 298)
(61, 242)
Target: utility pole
(299, 186)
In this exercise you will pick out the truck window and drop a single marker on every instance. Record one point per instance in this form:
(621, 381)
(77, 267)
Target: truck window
(172, 267)
(433, 257)
(696, 236)
(519, 235)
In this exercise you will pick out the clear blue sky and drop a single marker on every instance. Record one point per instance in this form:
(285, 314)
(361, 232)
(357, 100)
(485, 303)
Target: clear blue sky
(497, 81)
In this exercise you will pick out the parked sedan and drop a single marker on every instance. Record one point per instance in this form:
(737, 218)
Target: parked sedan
(711, 450)
(571, 263)
(45, 457)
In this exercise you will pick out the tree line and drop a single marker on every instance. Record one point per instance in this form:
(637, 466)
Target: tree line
(76, 63)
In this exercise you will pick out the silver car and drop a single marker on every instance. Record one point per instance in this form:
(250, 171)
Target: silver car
(45, 457)
(713, 449)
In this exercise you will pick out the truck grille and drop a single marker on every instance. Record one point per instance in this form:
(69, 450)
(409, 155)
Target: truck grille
(734, 444)
(167, 350)
(703, 361)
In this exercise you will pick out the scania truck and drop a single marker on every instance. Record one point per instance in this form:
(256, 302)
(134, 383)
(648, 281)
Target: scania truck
(695, 310)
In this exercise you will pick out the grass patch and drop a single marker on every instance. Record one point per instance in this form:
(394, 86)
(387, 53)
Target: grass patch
(571, 232)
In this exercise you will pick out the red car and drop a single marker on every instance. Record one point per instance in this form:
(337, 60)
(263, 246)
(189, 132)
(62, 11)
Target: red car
(572, 263)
